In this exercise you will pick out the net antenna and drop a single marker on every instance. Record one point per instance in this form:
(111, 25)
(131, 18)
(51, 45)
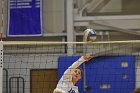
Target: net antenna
(85, 39)
(1, 66)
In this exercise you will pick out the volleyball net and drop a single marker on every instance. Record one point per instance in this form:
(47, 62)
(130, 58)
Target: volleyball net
(36, 67)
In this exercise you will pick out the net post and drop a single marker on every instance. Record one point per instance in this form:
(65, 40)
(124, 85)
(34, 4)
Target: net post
(1, 66)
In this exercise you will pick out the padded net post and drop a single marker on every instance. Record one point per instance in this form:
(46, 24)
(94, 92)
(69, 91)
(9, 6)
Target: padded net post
(1, 66)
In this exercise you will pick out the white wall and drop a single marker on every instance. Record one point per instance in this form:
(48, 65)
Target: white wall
(100, 6)
(53, 12)
(20, 65)
(112, 6)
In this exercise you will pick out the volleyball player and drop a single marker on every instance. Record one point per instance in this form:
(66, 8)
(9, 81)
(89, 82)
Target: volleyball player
(67, 83)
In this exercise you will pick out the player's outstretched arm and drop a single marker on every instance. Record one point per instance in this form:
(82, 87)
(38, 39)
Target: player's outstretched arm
(77, 63)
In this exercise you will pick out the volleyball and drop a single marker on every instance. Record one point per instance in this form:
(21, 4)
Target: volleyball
(89, 35)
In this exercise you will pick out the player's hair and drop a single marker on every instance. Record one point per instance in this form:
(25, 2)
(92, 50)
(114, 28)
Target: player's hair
(58, 91)
(80, 70)
(137, 90)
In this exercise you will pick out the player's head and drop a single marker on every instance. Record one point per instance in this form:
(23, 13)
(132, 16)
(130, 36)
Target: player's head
(77, 74)
(137, 90)
(58, 91)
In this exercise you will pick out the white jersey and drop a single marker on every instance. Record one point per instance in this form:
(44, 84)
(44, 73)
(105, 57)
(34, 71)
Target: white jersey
(65, 84)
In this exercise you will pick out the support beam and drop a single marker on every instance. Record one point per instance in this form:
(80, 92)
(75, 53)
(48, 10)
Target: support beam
(95, 4)
(95, 18)
(69, 26)
(103, 18)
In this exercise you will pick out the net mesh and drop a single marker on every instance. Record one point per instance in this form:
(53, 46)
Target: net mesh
(33, 67)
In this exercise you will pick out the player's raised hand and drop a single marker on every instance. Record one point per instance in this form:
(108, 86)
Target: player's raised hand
(87, 57)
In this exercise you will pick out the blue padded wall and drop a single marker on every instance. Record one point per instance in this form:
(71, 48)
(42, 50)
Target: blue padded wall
(104, 70)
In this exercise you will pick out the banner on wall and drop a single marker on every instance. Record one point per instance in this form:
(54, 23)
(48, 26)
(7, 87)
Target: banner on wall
(24, 18)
